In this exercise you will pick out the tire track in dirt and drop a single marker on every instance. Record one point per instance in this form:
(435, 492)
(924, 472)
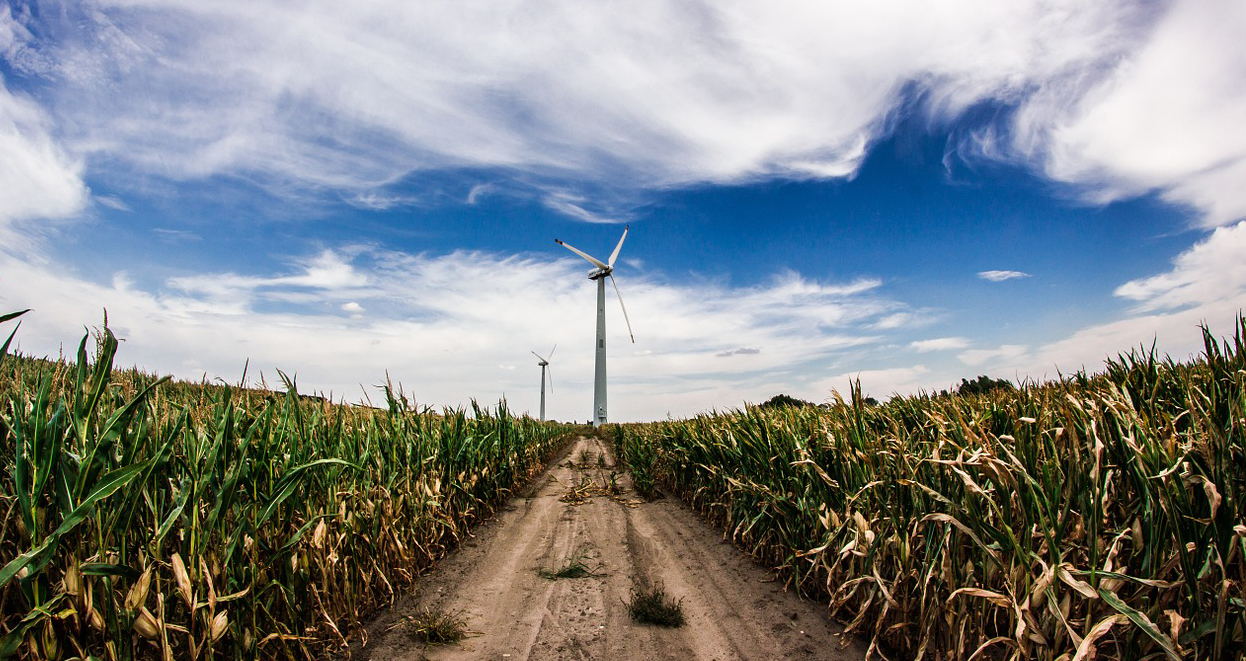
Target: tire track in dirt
(733, 611)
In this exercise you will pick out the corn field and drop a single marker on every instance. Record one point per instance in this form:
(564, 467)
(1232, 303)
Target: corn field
(143, 518)
(1095, 517)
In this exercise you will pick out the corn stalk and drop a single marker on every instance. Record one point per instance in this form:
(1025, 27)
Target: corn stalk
(1094, 516)
(144, 518)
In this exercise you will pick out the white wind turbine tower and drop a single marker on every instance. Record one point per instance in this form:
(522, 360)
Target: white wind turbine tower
(600, 274)
(544, 364)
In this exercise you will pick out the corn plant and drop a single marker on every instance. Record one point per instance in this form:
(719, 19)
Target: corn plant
(639, 457)
(1093, 516)
(145, 518)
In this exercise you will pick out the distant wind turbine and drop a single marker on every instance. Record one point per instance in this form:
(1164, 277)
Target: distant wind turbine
(544, 364)
(600, 273)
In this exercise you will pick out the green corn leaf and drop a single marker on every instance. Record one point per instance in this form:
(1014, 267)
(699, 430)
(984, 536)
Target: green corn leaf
(294, 539)
(1141, 621)
(4, 349)
(12, 315)
(37, 557)
(104, 569)
(13, 639)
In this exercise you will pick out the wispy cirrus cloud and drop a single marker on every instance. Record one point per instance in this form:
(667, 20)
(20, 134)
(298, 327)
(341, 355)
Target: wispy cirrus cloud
(379, 201)
(879, 383)
(1000, 276)
(479, 191)
(112, 202)
(571, 205)
(1205, 285)
(1117, 98)
(742, 351)
(939, 344)
(1160, 111)
(431, 325)
(1114, 99)
(601, 93)
(38, 177)
(1003, 353)
(1211, 271)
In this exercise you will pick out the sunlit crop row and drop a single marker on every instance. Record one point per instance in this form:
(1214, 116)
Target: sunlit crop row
(1095, 517)
(151, 519)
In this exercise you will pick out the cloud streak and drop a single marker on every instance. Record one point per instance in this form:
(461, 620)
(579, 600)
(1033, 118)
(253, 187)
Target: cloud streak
(1211, 271)
(38, 179)
(306, 96)
(742, 351)
(1000, 276)
(939, 344)
(344, 100)
(1160, 111)
(348, 316)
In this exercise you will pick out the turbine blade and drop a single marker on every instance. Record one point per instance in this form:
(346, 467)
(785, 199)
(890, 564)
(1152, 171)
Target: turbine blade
(625, 319)
(614, 255)
(538, 356)
(551, 352)
(550, 372)
(591, 260)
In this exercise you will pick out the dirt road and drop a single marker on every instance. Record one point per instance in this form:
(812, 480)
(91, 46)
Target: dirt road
(733, 608)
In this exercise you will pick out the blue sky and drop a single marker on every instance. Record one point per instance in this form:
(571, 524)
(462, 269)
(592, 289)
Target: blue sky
(908, 193)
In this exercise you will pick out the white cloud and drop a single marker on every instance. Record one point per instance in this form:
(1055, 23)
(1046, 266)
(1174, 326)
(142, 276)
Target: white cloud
(939, 344)
(742, 351)
(1000, 276)
(37, 178)
(379, 201)
(478, 191)
(432, 326)
(897, 320)
(570, 205)
(1205, 285)
(1212, 271)
(327, 94)
(1175, 334)
(1116, 97)
(877, 383)
(1163, 113)
(1002, 353)
(326, 276)
(112, 202)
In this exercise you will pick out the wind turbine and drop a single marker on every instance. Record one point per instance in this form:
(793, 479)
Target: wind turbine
(600, 273)
(545, 363)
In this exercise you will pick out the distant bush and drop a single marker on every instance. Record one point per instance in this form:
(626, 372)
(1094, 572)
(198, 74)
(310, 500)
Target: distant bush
(783, 401)
(983, 385)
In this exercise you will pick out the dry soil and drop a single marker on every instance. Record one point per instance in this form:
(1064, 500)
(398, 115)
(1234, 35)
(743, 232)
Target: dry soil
(734, 608)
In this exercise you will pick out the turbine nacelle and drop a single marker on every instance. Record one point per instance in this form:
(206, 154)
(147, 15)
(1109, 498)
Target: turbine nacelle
(544, 360)
(606, 270)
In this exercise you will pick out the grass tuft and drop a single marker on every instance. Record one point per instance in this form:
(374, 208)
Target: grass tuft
(651, 605)
(612, 487)
(575, 568)
(437, 627)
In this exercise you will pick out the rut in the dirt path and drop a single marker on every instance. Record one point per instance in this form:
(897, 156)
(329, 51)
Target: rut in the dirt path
(495, 583)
